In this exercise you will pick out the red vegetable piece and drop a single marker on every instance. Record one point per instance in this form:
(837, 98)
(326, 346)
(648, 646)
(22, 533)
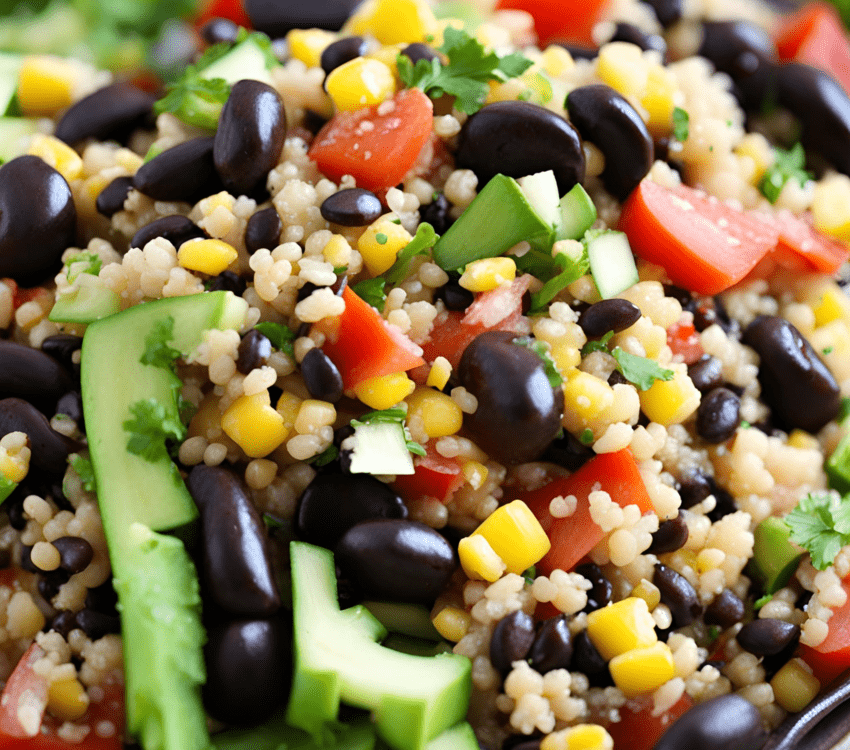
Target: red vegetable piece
(684, 341)
(434, 476)
(561, 20)
(233, 10)
(639, 729)
(832, 657)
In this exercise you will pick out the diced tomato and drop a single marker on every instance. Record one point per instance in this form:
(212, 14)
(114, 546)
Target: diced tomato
(703, 244)
(377, 145)
(573, 537)
(362, 345)
(20, 295)
(798, 236)
(434, 476)
(560, 20)
(684, 341)
(639, 729)
(232, 9)
(832, 657)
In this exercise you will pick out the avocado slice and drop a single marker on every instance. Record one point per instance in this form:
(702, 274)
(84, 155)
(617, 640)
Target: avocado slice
(774, 555)
(413, 698)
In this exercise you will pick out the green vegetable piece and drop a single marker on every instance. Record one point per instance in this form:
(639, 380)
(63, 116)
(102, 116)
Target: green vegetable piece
(86, 303)
(405, 618)
(413, 698)
(7, 487)
(372, 291)
(787, 166)
(15, 134)
(468, 13)
(83, 262)
(577, 214)
(279, 334)
(276, 734)
(498, 218)
(821, 524)
(424, 239)
(10, 65)
(774, 556)
(681, 124)
(611, 262)
(572, 268)
(640, 371)
(838, 467)
(459, 737)
(408, 644)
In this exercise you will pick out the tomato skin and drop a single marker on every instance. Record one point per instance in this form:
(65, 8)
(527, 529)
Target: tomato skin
(434, 476)
(639, 729)
(573, 537)
(381, 156)
(703, 244)
(684, 341)
(832, 657)
(231, 9)
(820, 253)
(562, 20)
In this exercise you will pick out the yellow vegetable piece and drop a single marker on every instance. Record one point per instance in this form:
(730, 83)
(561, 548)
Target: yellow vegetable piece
(515, 534)
(361, 82)
(254, 425)
(58, 155)
(671, 402)
(620, 65)
(67, 699)
(288, 406)
(830, 307)
(206, 256)
(452, 623)
(621, 627)
(44, 85)
(802, 439)
(307, 45)
(643, 670)
(658, 99)
(475, 473)
(439, 413)
(585, 397)
(380, 244)
(385, 391)
(478, 559)
(488, 273)
(395, 21)
(439, 373)
(794, 686)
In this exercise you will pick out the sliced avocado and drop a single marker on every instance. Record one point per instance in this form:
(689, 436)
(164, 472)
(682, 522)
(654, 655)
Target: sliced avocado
(85, 304)
(413, 698)
(577, 214)
(276, 734)
(774, 555)
(406, 618)
(15, 134)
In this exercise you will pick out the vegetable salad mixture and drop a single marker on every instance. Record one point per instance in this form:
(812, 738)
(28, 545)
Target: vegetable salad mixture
(424, 375)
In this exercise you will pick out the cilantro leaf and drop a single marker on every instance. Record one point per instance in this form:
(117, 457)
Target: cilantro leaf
(586, 437)
(328, 455)
(279, 334)
(84, 470)
(597, 346)
(157, 351)
(424, 239)
(151, 428)
(761, 601)
(195, 100)
(787, 166)
(542, 351)
(640, 371)
(395, 415)
(681, 124)
(571, 270)
(821, 524)
(371, 291)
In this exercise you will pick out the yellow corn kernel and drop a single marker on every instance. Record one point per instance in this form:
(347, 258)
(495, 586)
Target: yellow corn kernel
(337, 252)
(643, 670)
(206, 422)
(709, 558)
(832, 343)
(387, 54)
(658, 99)
(361, 82)
(380, 243)
(621, 66)
(219, 200)
(206, 256)
(439, 373)
(14, 457)
(288, 406)
(803, 440)
(452, 623)
(671, 402)
(758, 150)
(67, 700)
(579, 737)
(94, 187)
(129, 160)
(557, 61)
(439, 413)
(621, 627)
(831, 207)
(385, 391)
(794, 686)
(649, 592)
(307, 45)
(394, 21)
(478, 559)
(488, 273)
(585, 396)
(830, 307)
(476, 473)
(507, 91)
(58, 155)
(44, 85)
(253, 425)
(515, 534)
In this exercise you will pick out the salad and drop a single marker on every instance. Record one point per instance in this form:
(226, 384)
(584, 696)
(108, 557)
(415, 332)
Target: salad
(424, 375)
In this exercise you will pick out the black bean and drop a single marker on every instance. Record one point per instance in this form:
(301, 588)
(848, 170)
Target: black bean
(512, 638)
(519, 412)
(724, 502)
(725, 610)
(454, 296)
(666, 11)
(342, 51)
(111, 199)
(710, 310)
(694, 487)
(767, 636)
(227, 281)
(71, 405)
(671, 535)
(553, 645)
(277, 17)
(568, 451)
(795, 383)
(606, 118)
(75, 553)
(50, 450)
(352, 207)
(176, 229)
(254, 351)
(737, 48)
(103, 598)
(617, 378)
(436, 213)
(218, 30)
(236, 566)
(718, 415)
(627, 32)
(49, 583)
(419, 51)
(332, 504)
(14, 507)
(97, 624)
(321, 376)
(38, 220)
(728, 722)
(396, 560)
(263, 230)
(32, 375)
(678, 594)
(588, 661)
(608, 315)
(26, 559)
(517, 139)
(61, 347)
(706, 373)
(601, 589)
(64, 622)
(181, 173)
(110, 113)
(578, 51)
(521, 743)
(250, 135)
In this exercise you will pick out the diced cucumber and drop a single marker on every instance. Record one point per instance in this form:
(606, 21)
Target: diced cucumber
(10, 66)
(407, 644)
(380, 448)
(577, 214)
(85, 304)
(611, 263)
(406, 618)
(541, 190)
(774, 556)
(245, 60)
(15, 136)
(459, 737)
(7, 487)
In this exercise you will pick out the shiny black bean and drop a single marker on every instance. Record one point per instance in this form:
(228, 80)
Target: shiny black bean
(61, 347)
(588, 661)
(511, 640)
(694, 487)
(436, 213)
(517, 139)
(671, 535)
(579, 52)
(250, 135)
(103, 598)
(519, 412)
(176, 229)
(606, 118)
(765, 637)
(666, 11)
(352, 207)
(608, 315)
(32, 375)
(218, 30)
(397, 560)
(617, 378)
(728, 722)
(75, 553)
(725, 610)
(419, 51)
(706, 373)
(796, 384)
(736, 48)
(227, 281)
(718, 415)
(454, 296)
(38, 220)
(523, 743)
(253, 352)
(49, 583)
(249, 669)
(332, 504)
(181, 173)
(263, 230)
(321, 376)
(71, 405)
(50, 450)
(568, 452)
(710, 310)
(236, 567)
(342, 51)
(601, 589)
(110, 113)
(97, 624)
(111, 199)
(64, 622)
(276, 17)
(627, 32)
(553, 645)
(678, 594)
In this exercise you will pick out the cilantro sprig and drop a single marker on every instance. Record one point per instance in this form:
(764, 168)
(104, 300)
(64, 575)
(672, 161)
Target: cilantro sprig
(279, 334)
(152, 430)
(396, 415)
(157, 351)
(84, 469)
(372, 291)
(83, 262)
(821, 524)
(542, 350)
(681, 124)
(788, 165)
(467, 74)
(424, 239)
(641, 372)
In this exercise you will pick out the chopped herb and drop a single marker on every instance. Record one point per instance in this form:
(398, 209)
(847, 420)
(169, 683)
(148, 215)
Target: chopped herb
(713, 633)
(157, 351)
(279, 334)
(827, 350)
(467, 74)
(371, 291)
(424, 239)
(571, 270)
(396, 221)
(745, 425)
(761, 601)
(186, 409)
(586, 437)
(787, 166)
(273, 522)
(821, 524)
(84, 262)
(151, 429)
(328, 455)
(681, 124)
(396, 415)
(640, 371)
(340, 270)
(524, 96)
(381, 238)
(541, 349)
(844, 410)
(530, 574)
(597, 346)
(84, 470)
